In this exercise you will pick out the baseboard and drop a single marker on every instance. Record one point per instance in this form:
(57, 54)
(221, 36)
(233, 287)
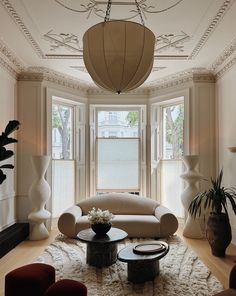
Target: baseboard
(12, 236)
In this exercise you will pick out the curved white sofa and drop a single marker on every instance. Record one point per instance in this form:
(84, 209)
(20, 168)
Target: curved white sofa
(138, 216)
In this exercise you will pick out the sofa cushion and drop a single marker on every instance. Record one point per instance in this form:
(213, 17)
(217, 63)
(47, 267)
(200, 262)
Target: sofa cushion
(120, 203)
(134, 225)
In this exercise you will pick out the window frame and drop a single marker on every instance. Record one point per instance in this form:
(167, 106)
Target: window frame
(61, 102)
(142, 109)
(170, 103)
(110, 110)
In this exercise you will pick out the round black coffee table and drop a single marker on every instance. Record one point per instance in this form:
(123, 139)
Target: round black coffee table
(142, 267)
(101, 250)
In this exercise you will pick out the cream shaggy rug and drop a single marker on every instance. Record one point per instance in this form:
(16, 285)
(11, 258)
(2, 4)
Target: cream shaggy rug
(181, 272)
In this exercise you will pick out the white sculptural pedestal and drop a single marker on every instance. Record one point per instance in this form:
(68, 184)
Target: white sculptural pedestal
(39, 193)
(192, 227)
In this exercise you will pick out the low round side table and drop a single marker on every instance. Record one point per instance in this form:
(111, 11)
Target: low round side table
(101, 250)
(141, 268)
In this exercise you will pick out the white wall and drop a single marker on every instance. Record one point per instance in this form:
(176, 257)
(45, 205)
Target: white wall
(7, 112)
(226, 96)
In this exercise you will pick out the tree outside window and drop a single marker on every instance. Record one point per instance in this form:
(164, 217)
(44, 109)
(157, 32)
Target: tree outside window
(173, 118)
(63, 132)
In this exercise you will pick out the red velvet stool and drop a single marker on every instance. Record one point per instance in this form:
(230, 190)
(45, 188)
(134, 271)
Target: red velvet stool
(29, 280)
(67, 288)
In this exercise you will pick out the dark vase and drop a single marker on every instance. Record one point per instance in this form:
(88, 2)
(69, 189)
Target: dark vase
(100, 228)
(218, 233)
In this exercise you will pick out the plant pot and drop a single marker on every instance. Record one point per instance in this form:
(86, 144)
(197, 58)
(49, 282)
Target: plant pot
(218, 233)
(100, 228)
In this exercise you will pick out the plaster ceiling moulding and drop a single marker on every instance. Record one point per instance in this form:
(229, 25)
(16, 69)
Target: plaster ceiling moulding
(19, 22)
(229, 50)
(70, 42)
(210, 29)
(79, 68)
(226, 68)
(83, 68)
(12, 58)
(97, 90)
(157, 69)
(55, 77)
(173, 41)
(8, 68)
(194, 74)
(98, 8)
(80, 57)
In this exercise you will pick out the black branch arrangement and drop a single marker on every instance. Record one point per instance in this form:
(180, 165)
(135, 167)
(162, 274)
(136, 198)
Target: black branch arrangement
(5, 140)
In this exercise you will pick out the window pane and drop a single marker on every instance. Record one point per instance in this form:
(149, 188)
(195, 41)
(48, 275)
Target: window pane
(62, 132)
(173, 118)
(118, 124)
(117, 164)
(172, 186)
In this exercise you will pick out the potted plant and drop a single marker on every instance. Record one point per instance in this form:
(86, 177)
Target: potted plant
(218, 229)
(5, 140)
(100, 221)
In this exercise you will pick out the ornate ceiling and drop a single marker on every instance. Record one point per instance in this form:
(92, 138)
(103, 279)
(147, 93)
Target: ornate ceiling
(48, 34)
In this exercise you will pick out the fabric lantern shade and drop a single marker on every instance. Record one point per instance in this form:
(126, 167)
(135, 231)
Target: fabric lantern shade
(118, 54)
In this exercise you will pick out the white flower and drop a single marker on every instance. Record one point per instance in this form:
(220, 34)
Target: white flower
(99, 216)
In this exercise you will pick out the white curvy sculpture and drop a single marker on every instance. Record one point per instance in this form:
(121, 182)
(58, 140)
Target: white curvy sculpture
(192, 227)
(39, 193)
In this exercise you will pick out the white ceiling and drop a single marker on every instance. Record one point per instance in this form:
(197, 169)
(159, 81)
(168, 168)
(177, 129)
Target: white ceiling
(191, 34)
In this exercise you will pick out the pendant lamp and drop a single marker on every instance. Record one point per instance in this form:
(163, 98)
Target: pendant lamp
(118, 54)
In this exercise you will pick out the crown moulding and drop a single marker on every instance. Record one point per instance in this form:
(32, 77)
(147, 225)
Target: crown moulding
(41, 73)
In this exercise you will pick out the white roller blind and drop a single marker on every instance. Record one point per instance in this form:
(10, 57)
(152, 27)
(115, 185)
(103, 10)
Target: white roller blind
(118, 164)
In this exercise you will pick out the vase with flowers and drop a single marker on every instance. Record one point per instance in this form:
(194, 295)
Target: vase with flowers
(100, 221)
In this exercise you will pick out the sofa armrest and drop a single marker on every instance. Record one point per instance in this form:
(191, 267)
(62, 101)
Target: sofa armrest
(168, 221)
(67, 221)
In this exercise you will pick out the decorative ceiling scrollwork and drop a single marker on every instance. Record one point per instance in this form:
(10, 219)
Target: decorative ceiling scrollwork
(71, 42)
(98, 8)
(63, 40)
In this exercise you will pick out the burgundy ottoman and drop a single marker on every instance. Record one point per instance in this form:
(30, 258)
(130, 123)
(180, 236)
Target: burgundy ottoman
(29, 280)
(67, 288)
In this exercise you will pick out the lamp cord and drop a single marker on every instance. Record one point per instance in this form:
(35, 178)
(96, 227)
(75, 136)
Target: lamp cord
(139, 12)
(108, 11)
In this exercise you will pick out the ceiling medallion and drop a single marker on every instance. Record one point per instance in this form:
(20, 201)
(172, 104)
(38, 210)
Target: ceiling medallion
(96, 7)
(118, 54)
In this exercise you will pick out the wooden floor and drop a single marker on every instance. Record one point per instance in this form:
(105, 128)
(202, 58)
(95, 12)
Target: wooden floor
(28, 251)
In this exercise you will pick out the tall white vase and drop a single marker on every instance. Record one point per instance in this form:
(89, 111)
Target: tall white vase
(192, 227)
(39, 193)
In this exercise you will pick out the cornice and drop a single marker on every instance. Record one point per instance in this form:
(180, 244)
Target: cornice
(228, 66)
(210, 29)
(100, 91)
(189, 75)
(228, 51)
(9, 69)
(30, 76)
(5, 50)
(19, 22)
(42, 73)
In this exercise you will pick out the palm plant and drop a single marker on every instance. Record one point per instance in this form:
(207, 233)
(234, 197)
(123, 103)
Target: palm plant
(218, 229)
(5, 140)
(214, 199)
